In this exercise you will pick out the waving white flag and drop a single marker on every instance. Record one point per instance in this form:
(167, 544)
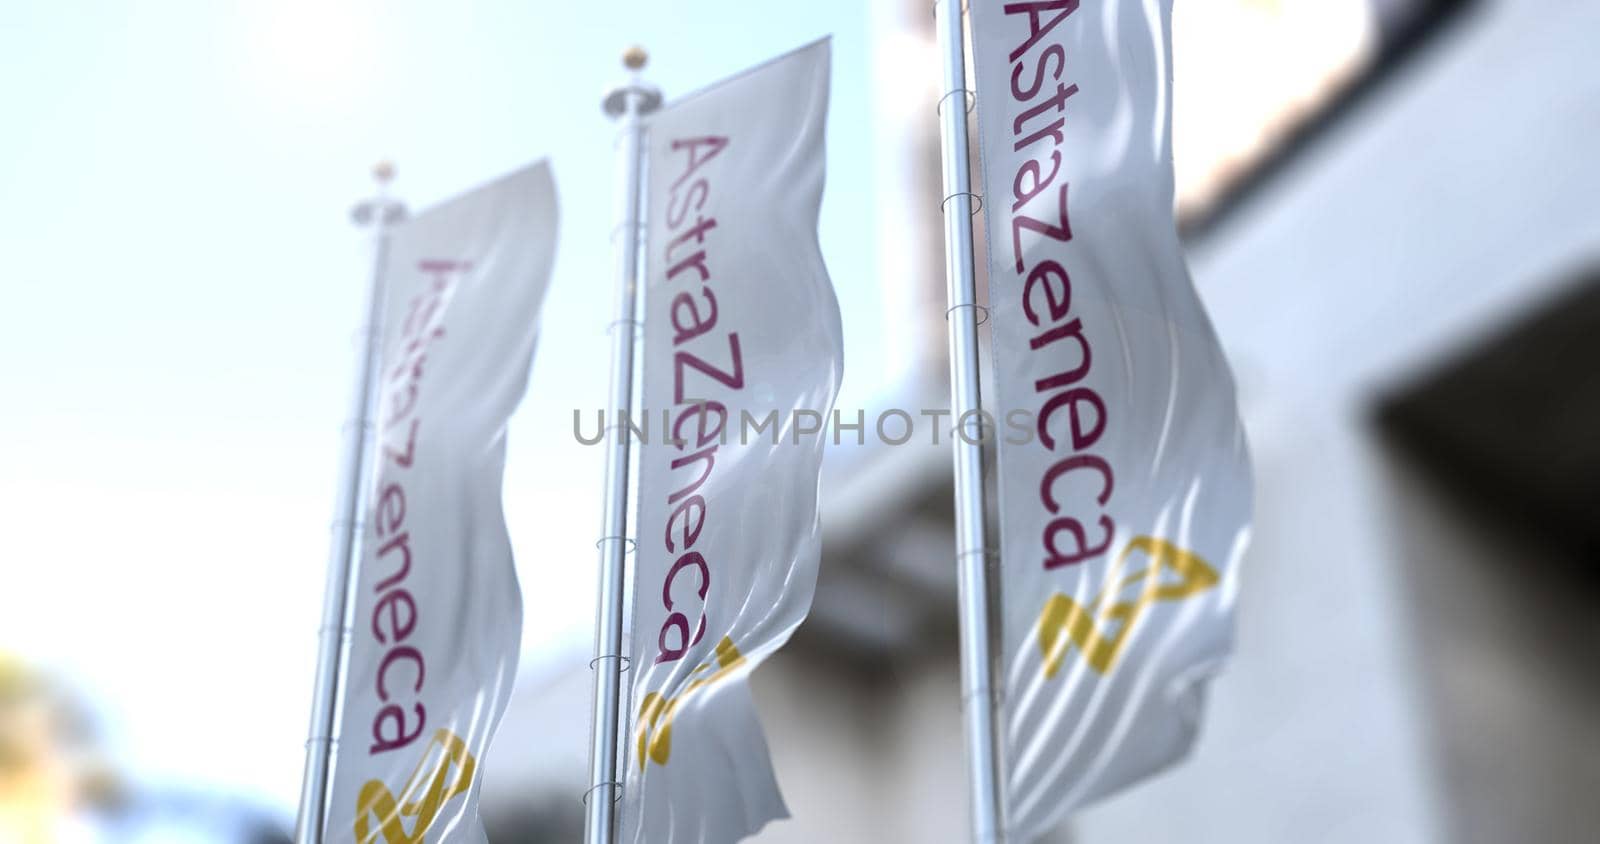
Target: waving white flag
(1125, 499)
(438, 615)
(740, 323)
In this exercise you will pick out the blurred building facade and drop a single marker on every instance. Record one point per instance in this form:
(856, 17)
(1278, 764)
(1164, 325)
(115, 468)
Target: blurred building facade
(1409, 668)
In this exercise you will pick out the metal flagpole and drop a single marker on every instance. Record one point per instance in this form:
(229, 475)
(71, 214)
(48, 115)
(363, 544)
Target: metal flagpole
(630, 102)
(379, 213)
(979, 706)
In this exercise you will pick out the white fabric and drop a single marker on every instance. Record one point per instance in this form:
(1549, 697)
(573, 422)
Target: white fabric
(1120, 537)
(438, 614)
(739, 314)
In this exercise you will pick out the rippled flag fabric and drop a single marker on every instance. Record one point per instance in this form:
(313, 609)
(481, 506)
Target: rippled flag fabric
(740, 324)
(1125, 489)
(437, 610)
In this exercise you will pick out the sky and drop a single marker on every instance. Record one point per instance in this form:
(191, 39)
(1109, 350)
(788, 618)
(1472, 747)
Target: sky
(182, 288)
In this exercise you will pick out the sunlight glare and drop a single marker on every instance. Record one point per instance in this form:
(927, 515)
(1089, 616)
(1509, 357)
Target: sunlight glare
(310, 56)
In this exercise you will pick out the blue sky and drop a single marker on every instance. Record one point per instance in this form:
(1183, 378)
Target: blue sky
(182, 286)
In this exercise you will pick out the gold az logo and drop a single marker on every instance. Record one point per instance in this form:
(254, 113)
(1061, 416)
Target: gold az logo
(657, 709)
(1064, 620)
(445, 770)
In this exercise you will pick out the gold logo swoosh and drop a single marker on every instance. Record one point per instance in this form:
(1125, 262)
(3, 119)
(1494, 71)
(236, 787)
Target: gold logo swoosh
(656, 713)
(1102, 628)
(444, 771)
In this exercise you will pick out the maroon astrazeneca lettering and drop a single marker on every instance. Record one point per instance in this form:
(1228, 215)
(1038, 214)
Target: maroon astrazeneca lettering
(403, 668)
(702, 360)
(1039, 101)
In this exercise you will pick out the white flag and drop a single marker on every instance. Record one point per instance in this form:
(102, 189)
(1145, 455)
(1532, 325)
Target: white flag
(741, 324)
(438, 615)
(1124, 480)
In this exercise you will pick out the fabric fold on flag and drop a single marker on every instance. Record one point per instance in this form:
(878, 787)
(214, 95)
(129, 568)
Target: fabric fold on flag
(1125, 509)
(741, 326)
(437, 611)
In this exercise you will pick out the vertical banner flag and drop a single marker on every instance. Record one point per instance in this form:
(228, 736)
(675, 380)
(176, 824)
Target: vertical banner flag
(742, 358)
(437, 611)
(1125, 501)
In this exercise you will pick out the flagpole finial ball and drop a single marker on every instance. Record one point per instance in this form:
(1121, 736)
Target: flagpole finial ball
(383, 172)
(634, 57)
